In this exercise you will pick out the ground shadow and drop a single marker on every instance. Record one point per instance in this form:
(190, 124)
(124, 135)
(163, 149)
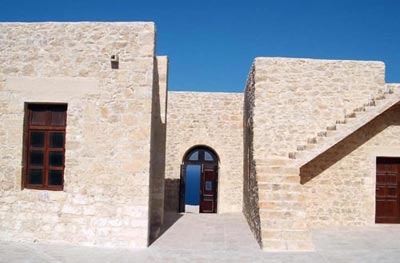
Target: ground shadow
(171, 207)
(170, 219)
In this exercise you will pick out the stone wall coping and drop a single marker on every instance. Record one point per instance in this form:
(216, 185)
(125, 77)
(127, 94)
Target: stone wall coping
(260, 59)
(80, 22)
(208, 93)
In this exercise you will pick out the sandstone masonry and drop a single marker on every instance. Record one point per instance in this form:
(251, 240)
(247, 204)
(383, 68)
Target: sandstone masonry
(210, 119)
(106, 183)
(297, 150)
(303, 103)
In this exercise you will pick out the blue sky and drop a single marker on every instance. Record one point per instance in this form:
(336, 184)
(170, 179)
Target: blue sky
(211, 44)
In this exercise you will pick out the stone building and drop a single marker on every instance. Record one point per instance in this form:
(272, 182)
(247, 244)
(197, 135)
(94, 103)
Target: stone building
(96, 151)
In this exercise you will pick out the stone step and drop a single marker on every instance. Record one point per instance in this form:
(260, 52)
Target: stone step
(286, 213)
(268, 186)
(340, 122)
(370, 103)
(311, 146)
(281, 245)
(277, 196)
(278, 179)
(330, 133)
(308, 146)
(388, 91)
(359, 109)
(271, 162)
(287, 235)
(312, 140)
(340, 126)
(338, 131)
(350, 120)
(269, 204)
(299, 155)
(283, 170)
(267, 223)
(331, 128)
(350, 115)
(292, 155)
(301, 147)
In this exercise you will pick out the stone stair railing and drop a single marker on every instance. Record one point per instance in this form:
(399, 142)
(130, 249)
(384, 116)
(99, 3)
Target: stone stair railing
(342, 128)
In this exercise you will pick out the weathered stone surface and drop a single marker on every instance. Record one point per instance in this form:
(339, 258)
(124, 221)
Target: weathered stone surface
(214, 120)
(339, 185)
(290, 101)
(296, 98)
(108, 130)
(325, 120)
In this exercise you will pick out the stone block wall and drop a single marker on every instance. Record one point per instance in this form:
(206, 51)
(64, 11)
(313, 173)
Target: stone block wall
(158, 146)
(251, 208)
(106, 182)
(294, 99)
(119, 146)
(339, 185)
(214, 120)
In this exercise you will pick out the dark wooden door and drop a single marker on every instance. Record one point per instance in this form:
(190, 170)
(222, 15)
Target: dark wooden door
(387, 190)
(182, 188)
(208, 189)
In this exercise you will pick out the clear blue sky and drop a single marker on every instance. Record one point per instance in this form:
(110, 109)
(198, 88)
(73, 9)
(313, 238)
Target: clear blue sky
(211, 44)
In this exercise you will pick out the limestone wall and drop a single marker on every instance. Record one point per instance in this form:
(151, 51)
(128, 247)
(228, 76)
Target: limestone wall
(339, 185)
(214, 120)
(158, 146)
(106, 191)
(296, 98)
(251, 207)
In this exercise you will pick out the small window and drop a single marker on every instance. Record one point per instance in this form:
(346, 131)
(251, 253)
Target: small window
(208, 156)
(45, 146)
(194, 156)
(200, 154)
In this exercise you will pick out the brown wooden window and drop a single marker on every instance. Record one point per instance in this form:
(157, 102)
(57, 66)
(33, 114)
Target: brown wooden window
(45, 146)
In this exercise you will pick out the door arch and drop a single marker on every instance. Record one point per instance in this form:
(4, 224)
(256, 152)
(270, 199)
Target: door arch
(201, 187)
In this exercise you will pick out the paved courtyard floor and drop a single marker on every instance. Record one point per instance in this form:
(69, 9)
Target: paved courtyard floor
(221, 238)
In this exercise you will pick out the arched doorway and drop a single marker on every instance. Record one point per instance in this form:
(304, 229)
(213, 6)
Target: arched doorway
(199, 180)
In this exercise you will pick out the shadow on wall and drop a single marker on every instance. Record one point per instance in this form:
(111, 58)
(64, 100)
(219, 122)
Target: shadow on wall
(171, 198)
(157, 163)
(349, 144)
(251, 209)
(171, 206)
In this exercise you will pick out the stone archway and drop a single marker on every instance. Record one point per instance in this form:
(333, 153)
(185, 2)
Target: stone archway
(199, 180)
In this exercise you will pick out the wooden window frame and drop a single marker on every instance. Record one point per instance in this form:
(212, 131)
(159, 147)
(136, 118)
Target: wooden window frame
(201, 158)
(47, 129)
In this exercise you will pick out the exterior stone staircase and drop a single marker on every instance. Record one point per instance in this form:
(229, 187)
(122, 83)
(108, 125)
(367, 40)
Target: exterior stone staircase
(351, 122)
(282, 207)
(280, 194)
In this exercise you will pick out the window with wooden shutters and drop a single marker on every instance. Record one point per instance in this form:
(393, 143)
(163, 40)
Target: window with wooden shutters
(45, 146)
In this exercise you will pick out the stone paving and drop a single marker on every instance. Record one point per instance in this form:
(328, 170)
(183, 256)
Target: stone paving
(221, 238)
